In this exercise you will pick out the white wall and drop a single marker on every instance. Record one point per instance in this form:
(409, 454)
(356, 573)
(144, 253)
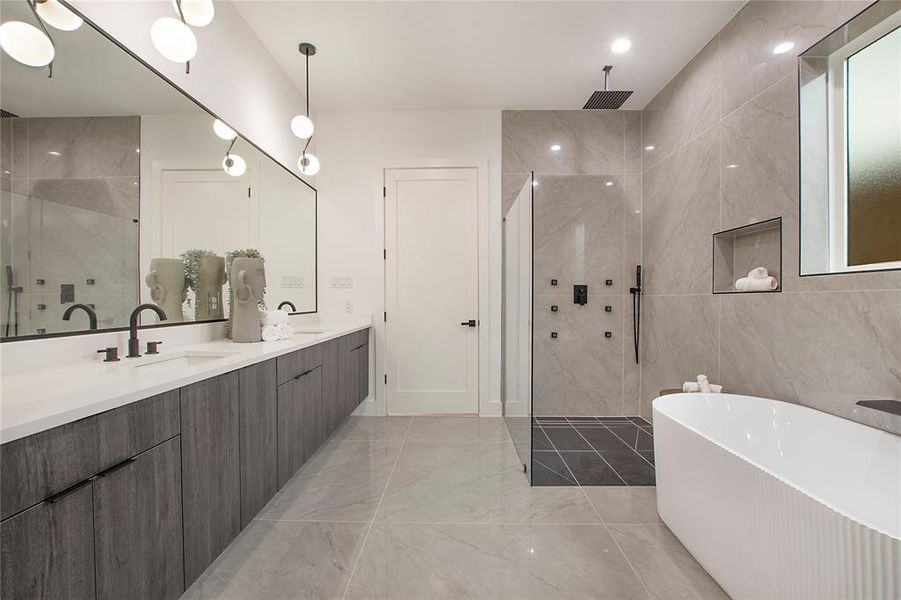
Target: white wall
(354, 148)
(233, 74)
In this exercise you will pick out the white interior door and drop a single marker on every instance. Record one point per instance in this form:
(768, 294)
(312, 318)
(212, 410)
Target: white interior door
(207, 209)
(431, 288)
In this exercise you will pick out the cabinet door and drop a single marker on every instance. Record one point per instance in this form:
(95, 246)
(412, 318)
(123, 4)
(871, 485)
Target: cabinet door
(348, 380)
(362, 374)
(258, 418)
(299, 422)
(47, 551)
(211, 495)
(332, 404)
(138, 527)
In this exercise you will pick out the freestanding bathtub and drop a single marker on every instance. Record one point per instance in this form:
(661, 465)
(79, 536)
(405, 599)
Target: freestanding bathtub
(777, 500)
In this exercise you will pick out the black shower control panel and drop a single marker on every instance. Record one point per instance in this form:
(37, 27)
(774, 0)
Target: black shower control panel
(580, 294)
(608, 334)
(608, 308)
(608, 282)
(553, 282)
(554, 335)
(554, 308)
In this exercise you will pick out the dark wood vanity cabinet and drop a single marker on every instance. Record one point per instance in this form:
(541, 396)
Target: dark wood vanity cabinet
(48, 550)
(258, 434)
(211, 492)
(138, 527)
(136, 502)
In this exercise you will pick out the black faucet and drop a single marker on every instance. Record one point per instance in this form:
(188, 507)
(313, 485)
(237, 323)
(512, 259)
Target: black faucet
(286, 303)
(92, 316)
(134, 345)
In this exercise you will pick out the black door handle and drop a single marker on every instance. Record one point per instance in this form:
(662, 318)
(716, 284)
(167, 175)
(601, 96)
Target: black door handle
(469, 323)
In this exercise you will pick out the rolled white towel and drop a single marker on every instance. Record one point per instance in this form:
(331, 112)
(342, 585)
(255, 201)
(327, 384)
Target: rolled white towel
(758, 273)
(269, 333)
(746, 284)
(284, 331)
(273, 317)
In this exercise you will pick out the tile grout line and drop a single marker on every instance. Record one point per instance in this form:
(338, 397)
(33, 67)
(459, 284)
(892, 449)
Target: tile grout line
(636, 451)
(376, 511)
(602, 458)
(560, 456)
(613, 537)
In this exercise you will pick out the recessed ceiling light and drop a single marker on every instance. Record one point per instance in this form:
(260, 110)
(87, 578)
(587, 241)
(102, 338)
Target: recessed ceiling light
(783, 47)
(555, 148)
(54, 153)
(731, 166)
(621, 45)
(649, 148)
(609, 183)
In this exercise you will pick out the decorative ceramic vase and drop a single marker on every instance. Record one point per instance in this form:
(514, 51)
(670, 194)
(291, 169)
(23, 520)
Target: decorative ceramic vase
(208, 297)
(166, 280)
(248, 285)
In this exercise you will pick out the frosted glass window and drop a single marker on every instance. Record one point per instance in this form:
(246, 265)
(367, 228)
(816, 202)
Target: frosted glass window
(874, 152)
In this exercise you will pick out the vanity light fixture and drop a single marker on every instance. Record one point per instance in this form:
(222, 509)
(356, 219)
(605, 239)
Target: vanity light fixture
(783, 47)
(32, 46)
(301, 125)
(223, 131)
(173, 38)
(58, 16)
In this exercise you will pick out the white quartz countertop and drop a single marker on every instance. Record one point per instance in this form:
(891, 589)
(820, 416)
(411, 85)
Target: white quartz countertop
(38, 400)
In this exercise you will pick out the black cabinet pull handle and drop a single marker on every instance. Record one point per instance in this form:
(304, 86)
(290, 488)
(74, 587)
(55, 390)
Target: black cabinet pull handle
(115, 468)
(305, 373)
(69, 490)
(360, 346)
(469, 323)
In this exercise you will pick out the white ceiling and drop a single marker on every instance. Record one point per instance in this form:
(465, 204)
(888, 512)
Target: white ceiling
(463, 55)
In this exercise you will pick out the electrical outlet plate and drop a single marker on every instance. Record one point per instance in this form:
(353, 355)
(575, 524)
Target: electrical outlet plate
(349, 306)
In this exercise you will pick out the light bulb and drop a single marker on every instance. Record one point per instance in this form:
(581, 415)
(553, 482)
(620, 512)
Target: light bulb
(173, 39)
(621, 45)
(308, 164)
(56, 15)
(302, 127)
(234, 165)
(224, 131)
(783, 47)
(26, 43)
(198, 13)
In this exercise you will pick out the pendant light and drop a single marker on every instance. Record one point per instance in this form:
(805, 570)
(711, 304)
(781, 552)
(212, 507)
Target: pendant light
(197, 13)
(233, 164)
(301, 125)
(58, 16)
(223, 131)
(32, 46)
(173, 38)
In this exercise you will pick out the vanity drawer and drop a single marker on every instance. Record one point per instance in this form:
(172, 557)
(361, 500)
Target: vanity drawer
(359, 338)
(41, 465)
(297, 363)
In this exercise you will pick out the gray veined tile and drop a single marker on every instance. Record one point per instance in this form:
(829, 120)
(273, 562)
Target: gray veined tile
(387, 429)
(511, 186)
(680, 214)
(625, 505)
(458, 429)
(343, 481)
(83, 147)
(279, 560)
(666, 568)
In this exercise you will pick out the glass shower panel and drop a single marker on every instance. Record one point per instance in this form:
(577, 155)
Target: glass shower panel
(516, 355)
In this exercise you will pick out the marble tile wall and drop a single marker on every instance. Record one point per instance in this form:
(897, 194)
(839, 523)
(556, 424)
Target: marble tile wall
(720, 150)
(587, 229)
(70, 206)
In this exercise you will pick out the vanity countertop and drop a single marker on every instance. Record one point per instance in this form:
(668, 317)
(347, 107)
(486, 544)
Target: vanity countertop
(38, 400)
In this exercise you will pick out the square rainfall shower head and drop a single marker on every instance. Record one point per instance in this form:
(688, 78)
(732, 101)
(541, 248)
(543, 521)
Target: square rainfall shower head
(611, 100)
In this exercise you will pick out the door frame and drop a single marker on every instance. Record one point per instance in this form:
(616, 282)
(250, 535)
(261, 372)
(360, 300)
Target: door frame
(379, 404)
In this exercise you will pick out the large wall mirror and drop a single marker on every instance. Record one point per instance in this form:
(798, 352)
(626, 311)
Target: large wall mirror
(850, 101)
(115, 192)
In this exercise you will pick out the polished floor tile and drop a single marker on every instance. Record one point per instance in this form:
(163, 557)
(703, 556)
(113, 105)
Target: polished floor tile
(589, 468)
(566, 439)
(629, 465)
(282, 559)
(457, 429)
(664, 565)
(540, 442)
(376, 515)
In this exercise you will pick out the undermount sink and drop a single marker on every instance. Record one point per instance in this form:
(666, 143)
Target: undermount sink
(310, 330)
(185, 358)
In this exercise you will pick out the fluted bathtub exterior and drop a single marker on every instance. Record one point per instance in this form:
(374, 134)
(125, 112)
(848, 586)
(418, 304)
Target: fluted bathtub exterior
(777, 500)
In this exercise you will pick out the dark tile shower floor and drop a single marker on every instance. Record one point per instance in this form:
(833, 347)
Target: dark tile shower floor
(610, 451)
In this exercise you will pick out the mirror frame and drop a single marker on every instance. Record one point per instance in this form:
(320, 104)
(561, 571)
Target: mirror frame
(859, 23)
(145, 64)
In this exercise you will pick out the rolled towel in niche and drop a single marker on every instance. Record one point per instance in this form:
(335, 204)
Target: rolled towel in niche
(758, 273)
(748, 284)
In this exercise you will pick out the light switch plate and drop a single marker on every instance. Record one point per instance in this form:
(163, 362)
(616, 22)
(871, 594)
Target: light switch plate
(292, 281)
(342, 283)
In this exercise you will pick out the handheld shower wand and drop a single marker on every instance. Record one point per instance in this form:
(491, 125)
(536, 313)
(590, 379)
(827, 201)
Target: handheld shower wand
(12, 303)
(636, 309)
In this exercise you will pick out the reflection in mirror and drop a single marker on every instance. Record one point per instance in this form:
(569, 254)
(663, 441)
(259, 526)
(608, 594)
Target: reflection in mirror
(850, 100)
(116, 189)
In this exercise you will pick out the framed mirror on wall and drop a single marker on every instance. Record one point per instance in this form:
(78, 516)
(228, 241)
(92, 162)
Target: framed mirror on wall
(117, 188)
(850, 124)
